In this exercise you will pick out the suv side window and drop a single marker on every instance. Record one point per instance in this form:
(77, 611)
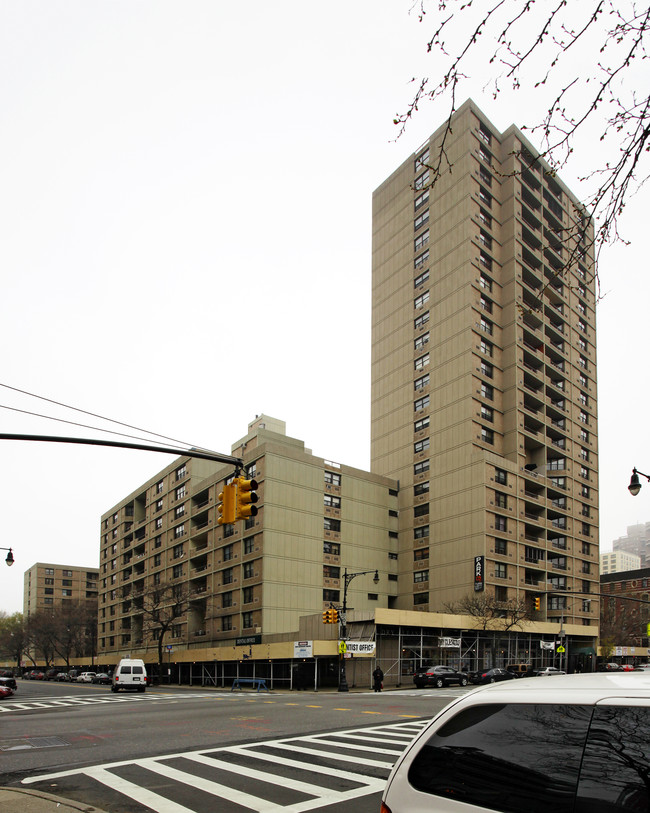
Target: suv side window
(520, 758)
(616, 766)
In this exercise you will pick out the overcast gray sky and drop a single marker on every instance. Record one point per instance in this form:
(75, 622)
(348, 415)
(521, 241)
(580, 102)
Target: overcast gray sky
(185, 212)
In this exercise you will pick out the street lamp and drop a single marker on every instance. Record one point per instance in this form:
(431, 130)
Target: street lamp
(10, 557)
(347, 578)
(635, 485)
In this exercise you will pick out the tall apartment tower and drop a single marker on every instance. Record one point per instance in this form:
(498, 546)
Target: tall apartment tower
(484, 375)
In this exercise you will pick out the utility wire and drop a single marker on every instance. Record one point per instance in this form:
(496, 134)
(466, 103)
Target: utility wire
(82, 425)
(101, 417)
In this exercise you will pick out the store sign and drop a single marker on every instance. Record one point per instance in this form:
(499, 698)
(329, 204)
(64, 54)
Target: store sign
(248, 640)
(547, 644)
(449, 643)
(479, 568)
(360, 647)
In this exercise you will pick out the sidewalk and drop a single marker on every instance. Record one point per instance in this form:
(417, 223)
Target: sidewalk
(33, 801)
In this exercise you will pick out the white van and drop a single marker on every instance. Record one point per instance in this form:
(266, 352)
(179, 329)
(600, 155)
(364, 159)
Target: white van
(130, 673)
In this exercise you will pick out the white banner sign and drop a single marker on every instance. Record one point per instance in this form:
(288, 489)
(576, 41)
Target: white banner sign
(449, 643)
(302, 649)
(360, 647)
(547, 644)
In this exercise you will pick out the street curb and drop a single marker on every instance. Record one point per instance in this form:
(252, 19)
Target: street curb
(35, 801)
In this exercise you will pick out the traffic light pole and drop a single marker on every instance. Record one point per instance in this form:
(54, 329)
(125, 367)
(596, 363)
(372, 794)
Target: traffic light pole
(343, 632)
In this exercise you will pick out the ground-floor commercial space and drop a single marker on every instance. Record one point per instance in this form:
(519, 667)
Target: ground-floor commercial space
(398, 642)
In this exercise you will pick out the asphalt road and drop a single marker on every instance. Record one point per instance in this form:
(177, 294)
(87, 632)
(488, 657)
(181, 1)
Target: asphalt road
(49, 728)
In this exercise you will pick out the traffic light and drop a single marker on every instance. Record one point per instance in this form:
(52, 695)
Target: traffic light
(326, 616)
(227, 505)
(335, 616)
(538, 603)
(245, 498)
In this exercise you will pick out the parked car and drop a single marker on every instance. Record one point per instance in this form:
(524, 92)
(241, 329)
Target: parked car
(5, 691)
(51, 674)
(73, 674)
(61, 676)
(439, 676)
(627, 667)
(86, 677)
(35, 674)
(102, 678)
(579, 742)
(519, 669)
(608, 667)
(490, 676)
(547, 671)
(10, 682)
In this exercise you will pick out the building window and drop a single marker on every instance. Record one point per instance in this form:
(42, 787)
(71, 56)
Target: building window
(421, 382)
(421, 403)
(420, 554)
(485, 197)
(420, 598)
(226, 623)
(180, 492)
(177, 571)
(422, 532)
(422, 423)
(421, 220)
(487, 413)
(500, 523)
(421, 300)
(330, 524)
(501, 547)
(331, 595)
(487, 391)
(228, 552)
(487, 435)
(421, 240)
(421, 445)
(500, 570)
(421, 510)
(181, 471)
(422, 362)
(421, 200)
(179, 511)
(486, 347)
(332, 478)
(421, 576)
(421, 279)
(421, 181)
(421, 341)
(421, 488)
(157, 560)
(421, 260)
(332, 548)
(249, 545)
(421, 467)
(485, 218)
(331, 572)
(160, 487)
(422, 159)
(487, 369)
(247, 620)
(158, 523)
(486, 326)
(331, 501)
(500, 499)
(501, 477)
(421, 320)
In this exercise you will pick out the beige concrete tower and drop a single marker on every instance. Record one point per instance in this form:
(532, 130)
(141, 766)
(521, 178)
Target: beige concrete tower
(484, 374)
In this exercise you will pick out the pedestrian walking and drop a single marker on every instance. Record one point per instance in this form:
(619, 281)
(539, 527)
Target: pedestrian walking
(378, 679)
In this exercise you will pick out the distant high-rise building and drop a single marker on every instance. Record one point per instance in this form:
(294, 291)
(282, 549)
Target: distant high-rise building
(637, 541)
(618, 561)
(49, 586)
(484, 402)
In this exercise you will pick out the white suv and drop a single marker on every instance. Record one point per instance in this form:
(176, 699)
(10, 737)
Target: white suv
(86, 677)
(576, 744)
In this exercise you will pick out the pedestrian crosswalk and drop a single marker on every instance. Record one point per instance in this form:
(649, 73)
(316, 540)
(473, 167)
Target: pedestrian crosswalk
(287, 775)
(94, 699)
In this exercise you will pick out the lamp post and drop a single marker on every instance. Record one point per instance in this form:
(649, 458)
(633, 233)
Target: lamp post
(347, 578)
(10, 557)
(635, 485)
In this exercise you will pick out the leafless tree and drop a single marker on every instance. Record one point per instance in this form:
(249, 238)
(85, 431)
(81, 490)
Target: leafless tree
(162, 607)
(620, 622)
(490, 613)
(532, 46)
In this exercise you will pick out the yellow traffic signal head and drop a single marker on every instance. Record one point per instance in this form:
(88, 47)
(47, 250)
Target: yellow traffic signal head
(246, 498)
(538, 603)
(227, 507)
(325, 616)
(335, 616)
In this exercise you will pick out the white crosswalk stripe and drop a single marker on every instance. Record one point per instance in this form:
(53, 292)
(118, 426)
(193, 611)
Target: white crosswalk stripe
(27, 705)
(289, 775)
